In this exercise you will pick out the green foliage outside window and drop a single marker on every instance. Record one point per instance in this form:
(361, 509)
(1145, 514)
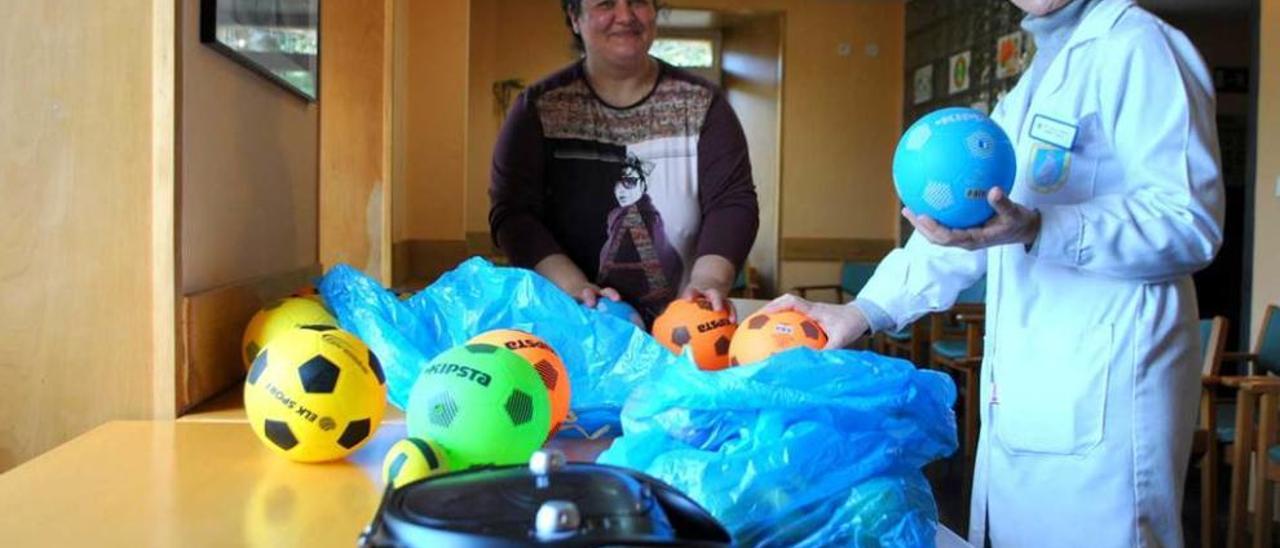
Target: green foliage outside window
(684, 52)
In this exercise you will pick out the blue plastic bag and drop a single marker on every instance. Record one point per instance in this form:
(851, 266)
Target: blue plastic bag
(604, 355)
(805, 448)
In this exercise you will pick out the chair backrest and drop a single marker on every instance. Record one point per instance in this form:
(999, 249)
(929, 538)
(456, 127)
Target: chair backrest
(1213, 339)
(854, 275)
(1268, 344)
(976, 293)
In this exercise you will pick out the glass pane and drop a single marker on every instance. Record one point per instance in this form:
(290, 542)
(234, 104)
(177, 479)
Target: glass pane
(277, 37)
(684, 52)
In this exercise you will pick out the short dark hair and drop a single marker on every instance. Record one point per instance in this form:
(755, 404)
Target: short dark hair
(573, 9)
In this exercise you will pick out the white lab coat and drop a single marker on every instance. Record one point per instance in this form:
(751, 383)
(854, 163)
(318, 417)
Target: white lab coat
(1090, 375)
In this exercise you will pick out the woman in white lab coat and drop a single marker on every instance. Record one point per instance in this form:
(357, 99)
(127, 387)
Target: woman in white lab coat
(1090, 377)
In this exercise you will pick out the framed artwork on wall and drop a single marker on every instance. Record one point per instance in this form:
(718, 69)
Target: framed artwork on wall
(1009, 55)
(959, 80)
(923, 88)
(279, 39)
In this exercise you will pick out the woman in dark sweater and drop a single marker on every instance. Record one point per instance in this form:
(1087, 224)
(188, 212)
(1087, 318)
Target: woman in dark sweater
(621, 176)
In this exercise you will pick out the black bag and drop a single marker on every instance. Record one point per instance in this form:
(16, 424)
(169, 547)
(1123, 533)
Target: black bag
(547, 503)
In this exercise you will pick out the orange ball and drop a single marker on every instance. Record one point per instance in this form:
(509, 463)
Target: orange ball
(693, 323)
(763, 335)
(543, 358)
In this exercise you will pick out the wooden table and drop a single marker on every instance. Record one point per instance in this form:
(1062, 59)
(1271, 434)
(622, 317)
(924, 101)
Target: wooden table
(194, 483)
(187, 484)
(206, 480)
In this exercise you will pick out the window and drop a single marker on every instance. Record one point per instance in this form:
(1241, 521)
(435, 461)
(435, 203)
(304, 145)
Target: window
(685, 52)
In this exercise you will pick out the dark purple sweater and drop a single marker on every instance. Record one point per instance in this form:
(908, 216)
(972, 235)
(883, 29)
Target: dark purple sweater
(634, 195)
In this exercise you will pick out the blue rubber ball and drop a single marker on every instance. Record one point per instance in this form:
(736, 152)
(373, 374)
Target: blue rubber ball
(947, 162)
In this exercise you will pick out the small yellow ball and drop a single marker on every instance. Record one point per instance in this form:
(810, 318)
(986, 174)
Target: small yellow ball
(412, 459)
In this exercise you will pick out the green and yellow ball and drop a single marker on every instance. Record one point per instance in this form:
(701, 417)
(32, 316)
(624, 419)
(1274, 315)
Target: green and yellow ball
(412, 459)
(278, 317)
(484, 403)
(315, 393)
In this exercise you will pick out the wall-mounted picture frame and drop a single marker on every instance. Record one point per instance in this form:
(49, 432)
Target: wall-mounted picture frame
(279, 39)
(923, 85)
(959, 79)
(1009, 55)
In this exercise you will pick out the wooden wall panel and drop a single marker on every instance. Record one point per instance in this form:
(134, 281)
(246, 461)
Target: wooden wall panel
(435, 114)
(165, 251)
(355, 135)
(86, 245)
(212, 325)
(753, 84)
(420, 262)
(835, 249)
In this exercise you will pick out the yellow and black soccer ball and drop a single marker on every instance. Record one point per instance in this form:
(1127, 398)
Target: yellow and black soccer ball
(278, 317)
(315, 393)
(412, 459)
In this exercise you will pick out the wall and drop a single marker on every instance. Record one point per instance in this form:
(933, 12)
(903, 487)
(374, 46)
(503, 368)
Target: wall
(429, 128)
(1266, 216)
(484, 115)
(399, 119)
(752, 69)
(86, 233)
(355, 136)
(248, 169)
(435, 114)
(510, 39)
(840, 123)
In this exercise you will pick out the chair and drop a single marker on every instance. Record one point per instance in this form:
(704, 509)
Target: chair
(1254, 448)
(747, 284)
(957, 333)
(1262, 396)
(955, 344)
(963, 355)
(1209, 438)
(913, 342)
(909, 343)
(853, 276)
(1249, 431)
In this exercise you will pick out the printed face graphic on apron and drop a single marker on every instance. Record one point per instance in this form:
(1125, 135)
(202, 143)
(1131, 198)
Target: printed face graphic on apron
(637, 253)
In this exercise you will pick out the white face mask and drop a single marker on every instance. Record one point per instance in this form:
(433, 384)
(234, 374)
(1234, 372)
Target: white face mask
(1040, 7)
